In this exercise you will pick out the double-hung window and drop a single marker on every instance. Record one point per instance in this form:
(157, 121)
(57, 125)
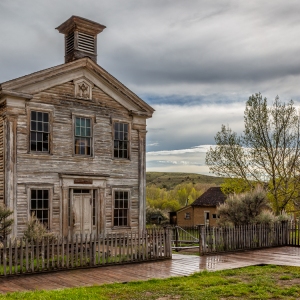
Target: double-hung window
(121, 208)
(39, 204)
(121, 140)
(83, 136)
(39, 131)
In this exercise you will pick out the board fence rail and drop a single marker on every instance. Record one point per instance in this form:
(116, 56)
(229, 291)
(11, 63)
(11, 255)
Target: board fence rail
(22, 256)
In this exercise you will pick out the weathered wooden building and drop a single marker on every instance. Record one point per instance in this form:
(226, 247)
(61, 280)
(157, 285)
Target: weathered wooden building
(203, 211)
(73, 143)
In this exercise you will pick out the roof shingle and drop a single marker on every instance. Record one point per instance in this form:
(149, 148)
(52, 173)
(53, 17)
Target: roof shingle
(212, 197)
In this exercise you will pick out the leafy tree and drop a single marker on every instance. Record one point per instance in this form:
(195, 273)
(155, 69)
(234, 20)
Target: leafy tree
(155, 215)
(5, 221)
(234, 186)
(245, 208)
(267, 151)
(174, 199)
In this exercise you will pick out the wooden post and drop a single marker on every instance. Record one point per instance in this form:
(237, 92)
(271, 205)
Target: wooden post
(176, 238)
(142, 180)
(200, 239)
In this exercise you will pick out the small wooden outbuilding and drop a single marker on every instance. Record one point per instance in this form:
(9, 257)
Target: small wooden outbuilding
(203, 211)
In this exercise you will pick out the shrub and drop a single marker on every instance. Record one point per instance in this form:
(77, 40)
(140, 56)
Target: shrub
(36, 230)
(155, 216)
(5, 221)
(245, 208)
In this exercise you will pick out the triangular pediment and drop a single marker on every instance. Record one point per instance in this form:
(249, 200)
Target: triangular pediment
(85, 74)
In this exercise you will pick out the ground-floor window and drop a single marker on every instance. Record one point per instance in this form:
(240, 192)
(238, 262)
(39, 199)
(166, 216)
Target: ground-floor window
(39, 205)
(121, 206)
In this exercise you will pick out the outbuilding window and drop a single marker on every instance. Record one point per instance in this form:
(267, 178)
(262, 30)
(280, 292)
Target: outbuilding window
(187, 216)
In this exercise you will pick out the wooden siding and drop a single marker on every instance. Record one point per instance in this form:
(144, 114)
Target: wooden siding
(196, 216)
(2, 115)
(182, 220)
(40, 169)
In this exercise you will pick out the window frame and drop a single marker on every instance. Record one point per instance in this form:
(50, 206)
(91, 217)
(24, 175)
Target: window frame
(187, 216)
(91, 117)
(50, 199)
(50, 130)
(115, 121)
(114, 190)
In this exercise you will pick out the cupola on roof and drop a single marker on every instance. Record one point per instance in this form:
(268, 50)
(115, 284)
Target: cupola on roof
(80, 38)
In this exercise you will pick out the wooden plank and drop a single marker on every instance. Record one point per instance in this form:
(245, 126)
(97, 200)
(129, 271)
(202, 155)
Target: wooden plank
(10, 256)
(48, 254)
(16, 256)
(76, 252)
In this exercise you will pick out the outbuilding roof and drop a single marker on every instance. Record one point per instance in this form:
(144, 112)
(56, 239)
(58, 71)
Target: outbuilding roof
(212, 197)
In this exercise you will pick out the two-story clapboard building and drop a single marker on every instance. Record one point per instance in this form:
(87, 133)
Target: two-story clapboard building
(72, 143)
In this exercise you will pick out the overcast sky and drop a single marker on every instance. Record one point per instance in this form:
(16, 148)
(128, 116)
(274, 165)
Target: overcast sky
(195, 62)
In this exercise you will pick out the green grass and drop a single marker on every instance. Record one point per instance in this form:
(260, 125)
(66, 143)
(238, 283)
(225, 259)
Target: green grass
(259, 282)
(170, 180)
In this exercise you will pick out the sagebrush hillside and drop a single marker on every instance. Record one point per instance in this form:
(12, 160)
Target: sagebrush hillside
(170, 180)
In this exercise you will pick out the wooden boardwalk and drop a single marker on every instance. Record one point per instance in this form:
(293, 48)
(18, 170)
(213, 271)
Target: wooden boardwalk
(180, 265)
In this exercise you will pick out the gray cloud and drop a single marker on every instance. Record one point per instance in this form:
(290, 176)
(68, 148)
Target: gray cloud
(195, 61)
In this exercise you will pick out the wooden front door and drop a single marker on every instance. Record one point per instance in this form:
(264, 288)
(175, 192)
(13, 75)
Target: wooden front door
(82, 211)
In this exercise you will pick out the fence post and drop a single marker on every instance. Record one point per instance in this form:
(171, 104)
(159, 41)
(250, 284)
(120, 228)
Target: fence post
(168, 241)
(285, 232)
(176, 238)
(200, 239)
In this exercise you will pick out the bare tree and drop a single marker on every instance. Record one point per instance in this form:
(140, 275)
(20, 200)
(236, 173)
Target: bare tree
(267, 151)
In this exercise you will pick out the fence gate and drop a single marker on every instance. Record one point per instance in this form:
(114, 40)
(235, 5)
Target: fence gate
(185, 238)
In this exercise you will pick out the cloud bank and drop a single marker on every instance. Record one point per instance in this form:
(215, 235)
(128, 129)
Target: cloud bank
(195, 62)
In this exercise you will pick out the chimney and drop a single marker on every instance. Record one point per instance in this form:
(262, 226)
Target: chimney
(80, 38)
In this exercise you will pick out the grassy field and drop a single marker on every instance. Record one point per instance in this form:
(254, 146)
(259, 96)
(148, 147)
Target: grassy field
(170, 180)
(259, 282)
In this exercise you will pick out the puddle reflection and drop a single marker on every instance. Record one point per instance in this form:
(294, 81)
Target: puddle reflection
(210, 262)
(294, 251)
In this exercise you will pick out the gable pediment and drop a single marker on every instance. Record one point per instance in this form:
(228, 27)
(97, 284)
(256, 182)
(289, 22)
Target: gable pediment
(85, 74)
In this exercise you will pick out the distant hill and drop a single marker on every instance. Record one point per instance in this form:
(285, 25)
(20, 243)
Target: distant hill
(170, 180)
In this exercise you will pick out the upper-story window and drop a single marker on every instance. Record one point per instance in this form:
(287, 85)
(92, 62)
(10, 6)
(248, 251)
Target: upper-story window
(121, 140)
(83, 136)
(39, 131)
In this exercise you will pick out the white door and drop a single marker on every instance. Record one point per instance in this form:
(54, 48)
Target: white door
(82, 213)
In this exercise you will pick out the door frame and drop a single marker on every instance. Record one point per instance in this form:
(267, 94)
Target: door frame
(206, 221)
(90, 195)
(68, 182)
